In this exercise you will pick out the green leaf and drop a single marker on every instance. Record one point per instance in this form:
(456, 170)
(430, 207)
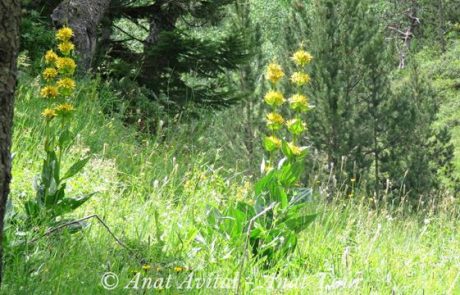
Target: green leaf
(77, 167)
(299, 223)
(32, 209)
(263, 183)
(65, 138)
(53, 197)
(247, 209)
(71, 203)
(281, 197)
(50, 170)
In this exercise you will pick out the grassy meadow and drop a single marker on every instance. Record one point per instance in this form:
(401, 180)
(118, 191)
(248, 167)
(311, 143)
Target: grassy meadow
(154, 195)
(235, 147)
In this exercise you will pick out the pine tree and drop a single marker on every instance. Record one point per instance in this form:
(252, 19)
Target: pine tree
(183, 62)
(369, 130)
(342, 44)
(416, 156)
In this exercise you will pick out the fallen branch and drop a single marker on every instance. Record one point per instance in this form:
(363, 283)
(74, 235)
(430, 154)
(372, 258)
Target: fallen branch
(60, 227)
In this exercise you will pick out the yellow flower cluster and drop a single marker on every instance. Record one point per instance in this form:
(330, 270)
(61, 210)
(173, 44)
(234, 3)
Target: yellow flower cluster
(58, 76)
(66, 84)
(65, 109)
(274, 121)
(295, 150)
(297, 102)
(300, 79)
(66, 65)
(64, 34)
(50, 73)
(274, 73)
(51, 57)
(274, 98)
(49, 92)
(66, 47)
(296, 126)
(301, 58)
(272, 143)
(49, 114)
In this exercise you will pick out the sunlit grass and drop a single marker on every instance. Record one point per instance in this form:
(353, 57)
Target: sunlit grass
(350, 249)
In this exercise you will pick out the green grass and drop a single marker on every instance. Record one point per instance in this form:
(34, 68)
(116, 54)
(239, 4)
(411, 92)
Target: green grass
(351, 248)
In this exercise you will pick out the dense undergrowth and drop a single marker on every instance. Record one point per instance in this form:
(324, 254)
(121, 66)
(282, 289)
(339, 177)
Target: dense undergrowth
(154, 195)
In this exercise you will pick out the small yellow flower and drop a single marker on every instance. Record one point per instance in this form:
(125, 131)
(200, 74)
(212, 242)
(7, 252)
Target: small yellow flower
(49, 73)
(66, 47)
(272, 143)
(274, 72)
(64, 109)
(179, 269)
(66, 65)
(295, 150)
(274, 121)
(146, 267)
(51, 57)
(49, 91)
(302, 57)
(66, 84)
(300, 79)
(299, 102)
(49, 114)
(64, 34)
(274, 98)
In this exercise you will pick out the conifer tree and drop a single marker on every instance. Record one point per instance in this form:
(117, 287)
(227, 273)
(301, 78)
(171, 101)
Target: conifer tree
(369, 130)
(342, 38)
(416, 156)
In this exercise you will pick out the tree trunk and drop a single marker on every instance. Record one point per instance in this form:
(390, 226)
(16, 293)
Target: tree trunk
(9, 47)
(84, 17)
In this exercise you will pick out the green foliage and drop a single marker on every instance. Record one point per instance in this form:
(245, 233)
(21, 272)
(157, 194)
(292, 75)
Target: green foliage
(36, 37)
(272, 224)
(419, 171)
(188, 58)
(350, 248)
(364, 125)
(51, 200)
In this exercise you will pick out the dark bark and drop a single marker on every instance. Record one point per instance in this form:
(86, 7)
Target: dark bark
(84, 17)
(9, 47)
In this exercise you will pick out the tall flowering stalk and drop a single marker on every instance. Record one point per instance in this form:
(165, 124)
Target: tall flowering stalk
(298, 104)
(273, 220)
(58, 86)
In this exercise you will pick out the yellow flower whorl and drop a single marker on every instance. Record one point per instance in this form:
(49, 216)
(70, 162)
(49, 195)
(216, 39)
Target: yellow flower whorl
(49, 73)
(64, 34)
(51, 57)
(66, 47)
(301, 57)
(274, 73)
(299, 102)
(274, 98)
(274, 121)
(49, 92)
(49, 114)
(300, 79)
